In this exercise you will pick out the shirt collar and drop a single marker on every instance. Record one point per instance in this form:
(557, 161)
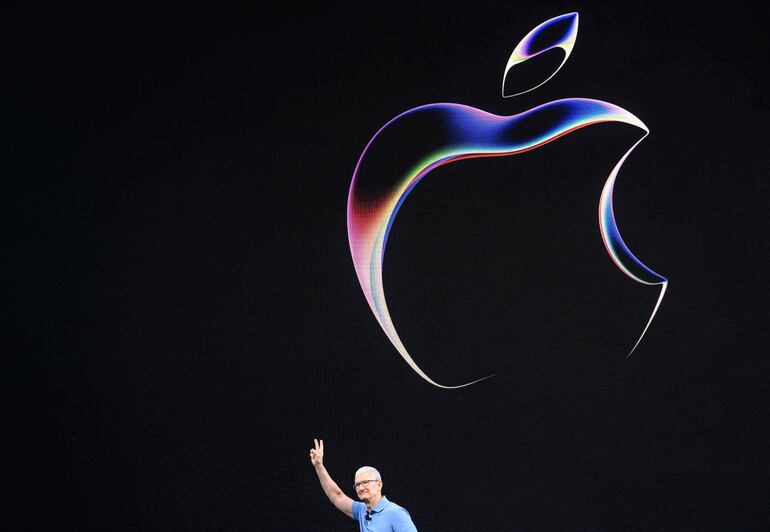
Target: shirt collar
(380, 506)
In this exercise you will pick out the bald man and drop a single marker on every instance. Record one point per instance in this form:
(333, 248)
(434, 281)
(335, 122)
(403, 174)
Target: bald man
(375, 513)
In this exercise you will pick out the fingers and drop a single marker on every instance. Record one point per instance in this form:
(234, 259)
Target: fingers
(317, 451)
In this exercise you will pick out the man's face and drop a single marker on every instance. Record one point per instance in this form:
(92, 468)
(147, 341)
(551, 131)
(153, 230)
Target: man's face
(367, 491)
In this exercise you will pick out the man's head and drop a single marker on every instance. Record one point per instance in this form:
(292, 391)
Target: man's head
(368, 484)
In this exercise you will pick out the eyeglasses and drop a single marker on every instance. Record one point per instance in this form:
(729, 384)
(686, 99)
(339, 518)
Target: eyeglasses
(357, 484)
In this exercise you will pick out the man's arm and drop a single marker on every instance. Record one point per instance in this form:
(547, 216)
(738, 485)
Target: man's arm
(343, 503)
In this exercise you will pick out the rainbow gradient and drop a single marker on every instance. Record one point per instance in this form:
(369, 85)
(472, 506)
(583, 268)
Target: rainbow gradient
(466, 132)
(531, 46)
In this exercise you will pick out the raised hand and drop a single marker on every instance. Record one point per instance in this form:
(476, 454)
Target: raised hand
(317, 453)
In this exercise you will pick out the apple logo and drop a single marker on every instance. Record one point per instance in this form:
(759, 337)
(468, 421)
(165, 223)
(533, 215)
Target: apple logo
(436, 134)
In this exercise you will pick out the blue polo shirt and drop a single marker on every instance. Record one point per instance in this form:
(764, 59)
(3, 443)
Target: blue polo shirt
(386, 516)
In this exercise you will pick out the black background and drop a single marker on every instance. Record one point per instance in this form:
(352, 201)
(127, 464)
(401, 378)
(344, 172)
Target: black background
(185, 318)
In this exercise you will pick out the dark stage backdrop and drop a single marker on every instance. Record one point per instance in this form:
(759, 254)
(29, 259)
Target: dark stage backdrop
(184, 315)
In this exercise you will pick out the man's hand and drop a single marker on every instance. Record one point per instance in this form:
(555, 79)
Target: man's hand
(317, 454)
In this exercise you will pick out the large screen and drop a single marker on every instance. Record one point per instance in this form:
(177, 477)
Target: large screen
(509, 254)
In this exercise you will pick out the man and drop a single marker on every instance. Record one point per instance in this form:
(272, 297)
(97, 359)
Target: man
(375, 513)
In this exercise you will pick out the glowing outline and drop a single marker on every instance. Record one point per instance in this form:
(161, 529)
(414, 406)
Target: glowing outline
(369, 222)
(523, 50)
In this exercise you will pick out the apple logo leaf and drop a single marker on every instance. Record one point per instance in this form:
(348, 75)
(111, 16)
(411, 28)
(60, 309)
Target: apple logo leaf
(558, 33)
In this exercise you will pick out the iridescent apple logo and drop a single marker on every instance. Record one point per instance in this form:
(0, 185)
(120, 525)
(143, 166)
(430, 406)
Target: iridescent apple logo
(384, 177)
